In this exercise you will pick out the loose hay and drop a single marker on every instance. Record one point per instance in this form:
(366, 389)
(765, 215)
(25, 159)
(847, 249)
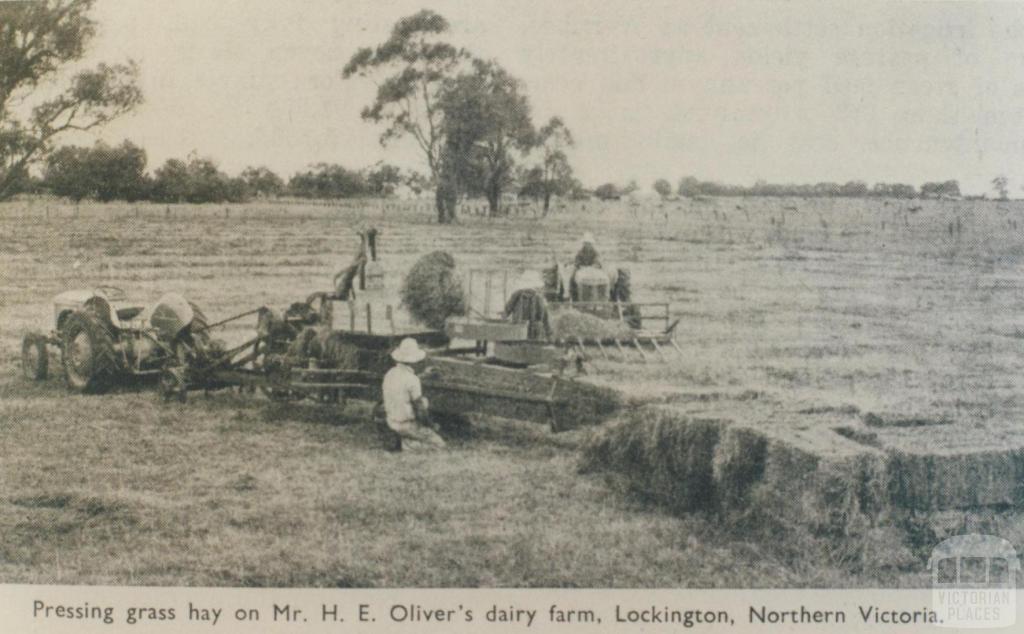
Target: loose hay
(331, 348)
(432, 290)
(568, 324)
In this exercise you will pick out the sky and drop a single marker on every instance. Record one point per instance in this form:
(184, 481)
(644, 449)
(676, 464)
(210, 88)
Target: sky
(728, 91)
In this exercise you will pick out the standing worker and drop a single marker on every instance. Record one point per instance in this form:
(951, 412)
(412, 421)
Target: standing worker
(404, 404)
(527, 305)
(345, 279)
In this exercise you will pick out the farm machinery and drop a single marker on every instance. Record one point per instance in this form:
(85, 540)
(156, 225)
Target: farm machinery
(106, 339)
(592, 310)
(329, 351)
(335, 346)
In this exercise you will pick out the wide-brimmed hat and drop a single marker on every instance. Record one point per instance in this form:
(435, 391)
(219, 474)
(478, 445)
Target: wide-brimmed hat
(529, 279)
(588, 238)
(408, 351)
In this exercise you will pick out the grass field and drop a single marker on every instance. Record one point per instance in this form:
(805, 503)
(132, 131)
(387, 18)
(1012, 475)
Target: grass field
(792, 312)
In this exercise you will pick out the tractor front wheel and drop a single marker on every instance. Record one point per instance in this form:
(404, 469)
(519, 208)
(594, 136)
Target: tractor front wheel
(88, 354)
(35, 359)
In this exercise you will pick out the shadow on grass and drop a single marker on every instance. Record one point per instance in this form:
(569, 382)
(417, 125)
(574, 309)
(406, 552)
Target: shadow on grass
(17, 386)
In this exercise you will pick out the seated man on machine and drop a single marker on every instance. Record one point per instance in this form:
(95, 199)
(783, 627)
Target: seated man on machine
(587, 262)
(587, 255)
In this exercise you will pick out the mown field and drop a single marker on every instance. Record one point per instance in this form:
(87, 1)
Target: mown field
(792, 312)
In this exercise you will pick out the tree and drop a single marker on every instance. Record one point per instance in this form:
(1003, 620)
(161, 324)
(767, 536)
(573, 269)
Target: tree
(382, 179)
(1001, 185)
(417, 182)
(66, 173)
(688, 186)
(101, 172)
(171, 182)
(553, 177)
(197, 181)
(854, 189)
(328, 181)
(608, 191)
(663, 188)
(945, 189)
(893, 190)
(261, 181)
(37, 40)
(119, 172)
(206, 182)
(415, 65)
(486, 124)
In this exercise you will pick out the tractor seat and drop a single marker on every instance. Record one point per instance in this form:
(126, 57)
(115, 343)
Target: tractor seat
(131, 312)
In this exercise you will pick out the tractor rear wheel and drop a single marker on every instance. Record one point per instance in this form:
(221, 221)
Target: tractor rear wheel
(35, 359)
(88, 354)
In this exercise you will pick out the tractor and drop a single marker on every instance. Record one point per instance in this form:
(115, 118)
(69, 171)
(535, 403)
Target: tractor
(105, 339)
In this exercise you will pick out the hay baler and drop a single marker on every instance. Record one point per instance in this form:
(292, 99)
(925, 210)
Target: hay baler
(639, 331)
(328, 351)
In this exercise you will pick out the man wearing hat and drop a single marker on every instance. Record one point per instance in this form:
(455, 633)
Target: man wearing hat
(404, 403)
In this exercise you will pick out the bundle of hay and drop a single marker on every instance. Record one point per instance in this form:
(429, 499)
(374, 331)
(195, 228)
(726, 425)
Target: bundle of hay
(570, 324)
(432, 290)
(330, 348)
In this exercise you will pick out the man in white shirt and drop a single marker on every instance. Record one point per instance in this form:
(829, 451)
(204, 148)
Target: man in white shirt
(404, 403)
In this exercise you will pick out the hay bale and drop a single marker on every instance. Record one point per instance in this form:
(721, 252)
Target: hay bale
(331, 349)
(959, 480)
(661, 455)
(432, 290)
(687, 464)
(568, 324)
(340, 352)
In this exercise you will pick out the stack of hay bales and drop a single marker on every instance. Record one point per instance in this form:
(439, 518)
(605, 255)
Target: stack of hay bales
(432, 290)
(816, 478)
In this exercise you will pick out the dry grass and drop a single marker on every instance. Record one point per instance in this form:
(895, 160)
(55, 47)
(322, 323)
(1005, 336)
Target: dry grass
(786, 320)
(235, 491)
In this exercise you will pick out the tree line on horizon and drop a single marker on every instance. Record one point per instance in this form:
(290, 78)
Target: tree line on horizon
(107, 173)
(690, 186)
(471, 119)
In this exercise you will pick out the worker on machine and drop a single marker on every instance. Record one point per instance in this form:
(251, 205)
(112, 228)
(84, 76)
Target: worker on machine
(587, 263)
(527, 305)
(405, 406)
(345, 279)
(587, 255)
